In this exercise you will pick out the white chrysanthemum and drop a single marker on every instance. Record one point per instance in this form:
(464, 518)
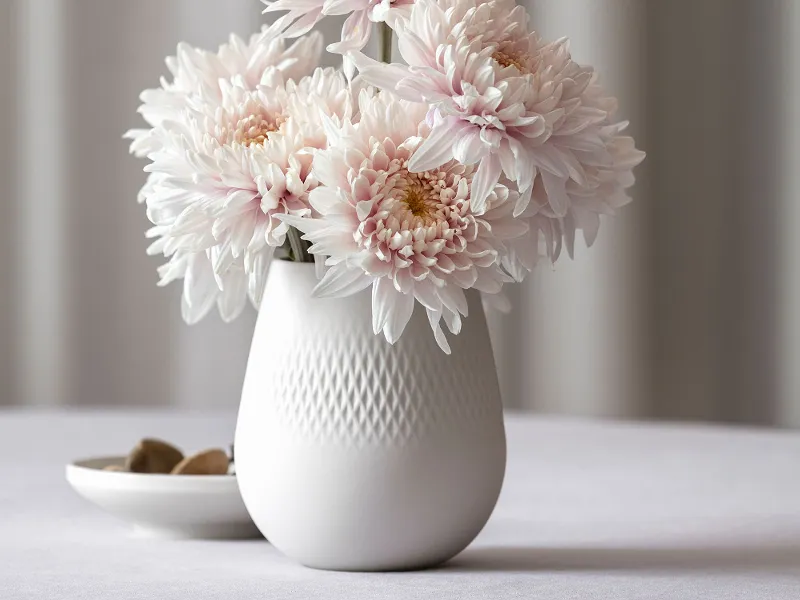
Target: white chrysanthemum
(604, 190)
(263, 60)
(502, 98)
(199, 78)
(223, 175)
(411, 236)
(301, 17)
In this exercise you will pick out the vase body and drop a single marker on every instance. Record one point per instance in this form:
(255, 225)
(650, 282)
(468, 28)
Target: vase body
(353, 454)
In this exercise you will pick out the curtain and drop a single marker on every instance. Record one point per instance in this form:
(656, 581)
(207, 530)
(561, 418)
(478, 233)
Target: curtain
(688, 307)
(88, 326)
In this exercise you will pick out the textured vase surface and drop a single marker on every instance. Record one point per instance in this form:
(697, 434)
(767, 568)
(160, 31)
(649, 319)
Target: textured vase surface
(352, 454)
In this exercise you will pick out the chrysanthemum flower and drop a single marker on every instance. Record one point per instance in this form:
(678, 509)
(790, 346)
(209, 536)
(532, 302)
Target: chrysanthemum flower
(502, 98)
(412, 236)
(263, 60)
(604, 190)
(200, 79)
(224, 170)
(232, 172)
(302, 15)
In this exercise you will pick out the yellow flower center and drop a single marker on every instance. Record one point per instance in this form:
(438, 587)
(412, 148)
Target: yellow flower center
(256, 129)
(512, 59)
(415, 200)
(419, 195)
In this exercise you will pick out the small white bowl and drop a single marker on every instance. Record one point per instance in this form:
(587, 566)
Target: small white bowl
(171, 506)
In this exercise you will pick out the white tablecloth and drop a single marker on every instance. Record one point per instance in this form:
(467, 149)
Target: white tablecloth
(588, 511)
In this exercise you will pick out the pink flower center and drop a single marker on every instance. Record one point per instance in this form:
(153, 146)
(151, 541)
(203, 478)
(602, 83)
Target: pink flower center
(422, 217)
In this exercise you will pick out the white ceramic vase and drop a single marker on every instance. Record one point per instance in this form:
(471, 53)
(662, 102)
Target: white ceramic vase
(352, 454)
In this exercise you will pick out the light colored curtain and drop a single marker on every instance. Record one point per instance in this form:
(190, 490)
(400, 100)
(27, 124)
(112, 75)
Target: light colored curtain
(687, 308)
(682, 311)
(88, 326)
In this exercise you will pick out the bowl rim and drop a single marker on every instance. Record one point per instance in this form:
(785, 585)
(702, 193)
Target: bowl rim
(201, 507)
(90, 471)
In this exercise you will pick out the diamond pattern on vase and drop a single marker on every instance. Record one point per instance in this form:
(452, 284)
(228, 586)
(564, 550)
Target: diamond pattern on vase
(349, 386)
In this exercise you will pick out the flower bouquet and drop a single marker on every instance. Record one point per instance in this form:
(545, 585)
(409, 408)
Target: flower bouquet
(434, 181)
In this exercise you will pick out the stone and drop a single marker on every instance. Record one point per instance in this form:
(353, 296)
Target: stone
(208, 462)
(153, 456)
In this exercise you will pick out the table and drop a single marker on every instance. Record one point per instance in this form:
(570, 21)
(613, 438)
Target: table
(589, 510)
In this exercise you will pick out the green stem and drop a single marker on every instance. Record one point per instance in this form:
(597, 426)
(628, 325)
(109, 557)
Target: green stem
(297, 245)
(386, 34)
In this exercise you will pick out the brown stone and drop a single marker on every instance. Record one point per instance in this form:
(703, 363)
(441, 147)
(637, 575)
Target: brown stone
(153, 456)
(208, 462)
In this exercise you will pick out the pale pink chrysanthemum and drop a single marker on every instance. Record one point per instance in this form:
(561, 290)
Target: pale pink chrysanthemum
(198, 80)
(412, 237)
(302, 15)
(501, 98)
(604, 190)
(225, 171)
(263, 60)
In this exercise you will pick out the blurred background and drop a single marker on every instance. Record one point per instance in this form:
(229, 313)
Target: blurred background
(688, 308)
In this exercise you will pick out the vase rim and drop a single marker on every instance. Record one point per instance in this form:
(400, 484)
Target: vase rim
(290, 263)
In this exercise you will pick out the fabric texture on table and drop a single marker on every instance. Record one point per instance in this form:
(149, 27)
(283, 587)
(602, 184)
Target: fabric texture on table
(589, 511)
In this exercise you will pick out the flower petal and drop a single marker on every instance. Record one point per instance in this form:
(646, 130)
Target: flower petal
(437, 149)
(341, 281)
(485, 180)
(557, 196)
(378, 74)
(434, 317)
(383, 293)
(399, 316)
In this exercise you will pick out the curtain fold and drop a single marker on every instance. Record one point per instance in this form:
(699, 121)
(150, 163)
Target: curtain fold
(687, 308)
(715, 123)
(8, 193)
(788, 316)
(42, 219)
